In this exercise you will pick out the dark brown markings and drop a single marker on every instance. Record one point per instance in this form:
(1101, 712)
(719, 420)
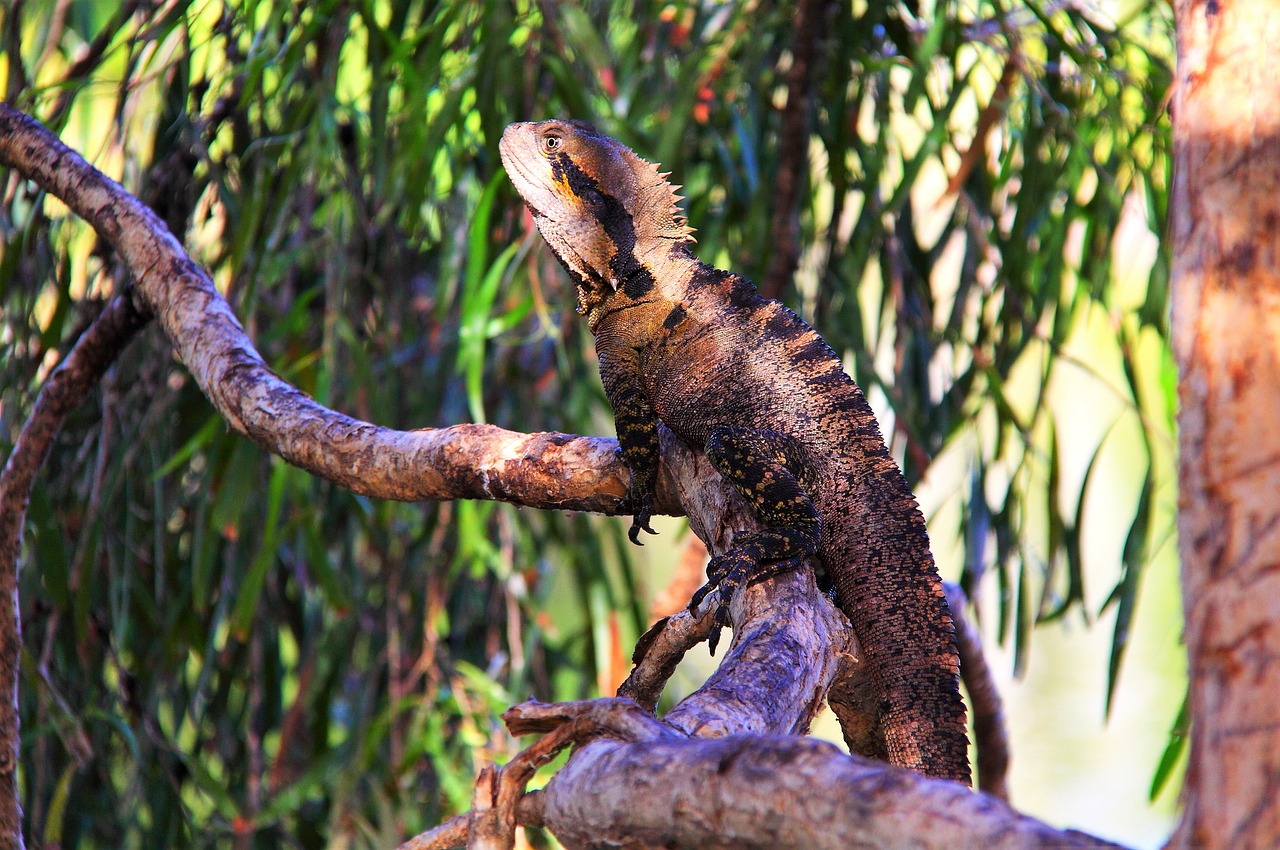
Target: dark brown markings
(742, 293)
(761, 466)
(635, 279)
(675, 317)
(813, 350)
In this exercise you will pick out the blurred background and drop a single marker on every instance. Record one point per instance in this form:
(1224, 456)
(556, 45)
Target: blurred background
(967, 199)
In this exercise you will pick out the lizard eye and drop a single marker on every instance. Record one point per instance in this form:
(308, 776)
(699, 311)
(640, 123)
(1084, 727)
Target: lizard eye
(551, 143)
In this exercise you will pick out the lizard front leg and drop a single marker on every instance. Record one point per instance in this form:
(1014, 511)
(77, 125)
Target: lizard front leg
(637, 427)
(762, 467)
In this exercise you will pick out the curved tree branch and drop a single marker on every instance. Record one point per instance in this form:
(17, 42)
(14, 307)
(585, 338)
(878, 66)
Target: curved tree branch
(65, 389)
(767, 791)
(466, 461)
(548, 470)
(725, 767)
(990, 738)
(634, 782)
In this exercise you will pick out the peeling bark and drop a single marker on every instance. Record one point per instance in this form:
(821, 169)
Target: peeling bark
(1226, 339)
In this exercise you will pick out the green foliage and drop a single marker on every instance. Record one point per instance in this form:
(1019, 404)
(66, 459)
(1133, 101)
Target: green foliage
(219, 647)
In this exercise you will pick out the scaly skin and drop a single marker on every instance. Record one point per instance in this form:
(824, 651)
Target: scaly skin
(746, 381)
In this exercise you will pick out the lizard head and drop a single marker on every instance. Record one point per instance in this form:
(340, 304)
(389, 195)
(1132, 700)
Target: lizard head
(606, 213)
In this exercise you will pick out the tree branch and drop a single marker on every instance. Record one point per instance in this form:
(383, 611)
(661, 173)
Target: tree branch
(766, 791)
(793, 150)
(990, 738)
(65, 389)
(789, 641)
(725, 767)
(634, 782)
(547, 470)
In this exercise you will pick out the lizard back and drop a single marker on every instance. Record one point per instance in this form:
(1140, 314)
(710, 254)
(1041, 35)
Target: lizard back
(745, 379)
(768, 369)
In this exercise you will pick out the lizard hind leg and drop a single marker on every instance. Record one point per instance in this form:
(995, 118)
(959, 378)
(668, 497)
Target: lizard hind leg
(762, 467)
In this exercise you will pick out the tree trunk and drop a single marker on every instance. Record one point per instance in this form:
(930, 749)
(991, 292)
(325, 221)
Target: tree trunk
(1226, 332)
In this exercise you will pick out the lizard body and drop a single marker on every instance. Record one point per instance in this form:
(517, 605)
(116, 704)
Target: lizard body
(746, 381)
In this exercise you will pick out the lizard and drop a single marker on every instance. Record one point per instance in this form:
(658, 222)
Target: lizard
(747, 382)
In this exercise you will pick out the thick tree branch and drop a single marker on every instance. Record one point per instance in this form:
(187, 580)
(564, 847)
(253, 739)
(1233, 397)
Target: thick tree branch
(634, 782)
(725, 767)
(466, 461)
(790, 643)
(548, 470)
(765, 791)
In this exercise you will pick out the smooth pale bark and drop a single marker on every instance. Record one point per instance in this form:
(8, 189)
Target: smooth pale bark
(1226, 333)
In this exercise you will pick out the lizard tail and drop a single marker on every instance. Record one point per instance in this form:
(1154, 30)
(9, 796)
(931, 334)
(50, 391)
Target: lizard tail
(891, 592)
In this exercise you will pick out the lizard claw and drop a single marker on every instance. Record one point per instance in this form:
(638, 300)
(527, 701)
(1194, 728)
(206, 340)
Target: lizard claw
(730, 572)
(638, 524)
(721, 618)
(717, 624)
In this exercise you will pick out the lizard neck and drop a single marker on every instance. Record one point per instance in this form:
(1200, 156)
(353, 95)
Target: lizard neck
(656, 272)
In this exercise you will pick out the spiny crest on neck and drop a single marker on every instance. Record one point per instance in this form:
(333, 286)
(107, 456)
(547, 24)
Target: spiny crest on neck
(657, 209)
(616, 170)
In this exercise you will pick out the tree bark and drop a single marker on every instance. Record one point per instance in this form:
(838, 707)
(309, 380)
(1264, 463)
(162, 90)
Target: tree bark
(76, 375)
(725, 768)
(1226, 334)
(779, 792)
(549, 470)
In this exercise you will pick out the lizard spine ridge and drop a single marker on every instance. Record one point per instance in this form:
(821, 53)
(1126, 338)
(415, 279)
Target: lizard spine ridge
(745, 380)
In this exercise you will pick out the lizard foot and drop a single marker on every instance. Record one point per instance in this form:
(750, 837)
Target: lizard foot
(639, 503)
(639, 523)
(732, 571)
